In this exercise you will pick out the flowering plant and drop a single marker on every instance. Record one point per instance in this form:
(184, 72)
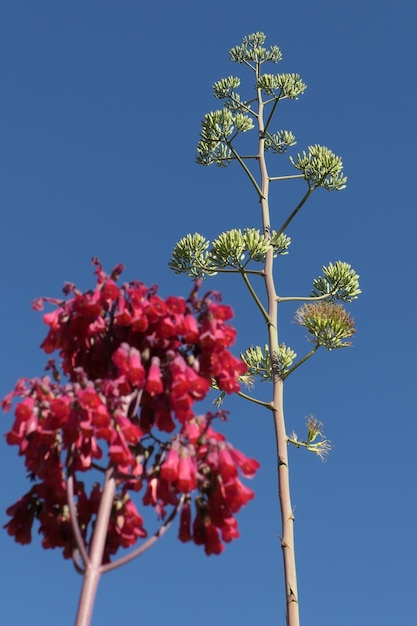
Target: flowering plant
(120, 401)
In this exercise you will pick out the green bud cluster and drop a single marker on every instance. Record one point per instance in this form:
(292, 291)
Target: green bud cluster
(288, 85)
(279, 142)
(232, 247)
(252, 50)
(195, 256)
(321, 168)
(340, 282)
(280, 243)
(314, 429)
(328, 324)
(225, 87)
(261, 363)
(218, 129)
(190, 257)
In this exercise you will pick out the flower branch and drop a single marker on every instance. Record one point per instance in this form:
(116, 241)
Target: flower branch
(147, 544)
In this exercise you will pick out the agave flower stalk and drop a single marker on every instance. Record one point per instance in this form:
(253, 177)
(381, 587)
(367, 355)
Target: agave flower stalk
(237, 252)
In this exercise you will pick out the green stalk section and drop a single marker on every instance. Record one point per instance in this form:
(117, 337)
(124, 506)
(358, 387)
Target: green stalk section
(245, 396)
(247, 170)
(287, 516)
(255, 297)
(297, 208)
(301, 361)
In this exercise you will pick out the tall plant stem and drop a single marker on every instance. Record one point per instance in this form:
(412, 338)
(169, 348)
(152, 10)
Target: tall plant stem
(287, 517)
(93, 567)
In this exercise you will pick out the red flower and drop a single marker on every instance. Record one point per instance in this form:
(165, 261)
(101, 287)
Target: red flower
(170, 467)
(248, 466)
(23, 514)
(229, 529)
(129, 524)
(205, 533)
(154, 384)
(130, 367)
(187, 473)
(227, 466)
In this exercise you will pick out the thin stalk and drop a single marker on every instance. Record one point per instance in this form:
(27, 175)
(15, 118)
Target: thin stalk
(77, 562)
(303, 298)
(244, 157)
(289, 177)
(247, 170)
(297, 208)
(303, 200)
(271, 115)
(93, 567)
(74, 522)
(242, 105)
(301, 361)
(147, 544)
(287, 516)
(255, 297)
(245, 396)
(248, 64)
(238, 270)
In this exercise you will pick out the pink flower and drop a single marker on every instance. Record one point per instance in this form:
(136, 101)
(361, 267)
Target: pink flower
(154, 383)
(119, 452)
(170, 467)
(248, 466)
(205, 533)
(227, 466)
(24, 410)
(229, 529)
(187, 474)
(128, 361)
(23, 513)
(129, 370)
(129, 525)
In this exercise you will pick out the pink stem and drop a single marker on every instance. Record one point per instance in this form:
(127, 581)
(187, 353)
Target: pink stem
(75, 526)
(148, 544)
(93, 567)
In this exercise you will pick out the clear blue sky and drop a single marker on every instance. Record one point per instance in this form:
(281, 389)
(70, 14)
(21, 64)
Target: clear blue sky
(100, 109)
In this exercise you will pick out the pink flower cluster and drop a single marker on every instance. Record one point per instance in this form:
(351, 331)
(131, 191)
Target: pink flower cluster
(134, 364)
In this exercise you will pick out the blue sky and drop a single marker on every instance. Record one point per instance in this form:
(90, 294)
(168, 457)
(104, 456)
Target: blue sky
(100, 113)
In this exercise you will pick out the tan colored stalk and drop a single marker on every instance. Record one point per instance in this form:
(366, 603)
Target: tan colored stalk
(287, 516)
